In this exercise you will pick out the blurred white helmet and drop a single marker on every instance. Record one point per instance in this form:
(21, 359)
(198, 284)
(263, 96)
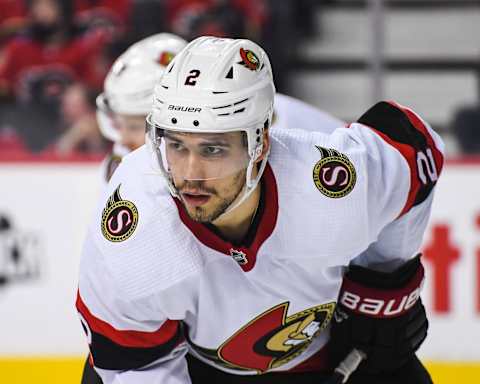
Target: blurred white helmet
(215, 85)
(128, 87)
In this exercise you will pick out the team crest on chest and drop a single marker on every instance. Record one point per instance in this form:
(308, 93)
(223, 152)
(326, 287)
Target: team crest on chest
(271, 339)
(334, 174)
(119, 218)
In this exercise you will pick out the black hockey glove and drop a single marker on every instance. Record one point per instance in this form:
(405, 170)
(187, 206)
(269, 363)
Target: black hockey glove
(380, 314)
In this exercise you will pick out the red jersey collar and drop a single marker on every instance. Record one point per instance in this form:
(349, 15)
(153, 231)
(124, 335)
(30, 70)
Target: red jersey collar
(263, 226)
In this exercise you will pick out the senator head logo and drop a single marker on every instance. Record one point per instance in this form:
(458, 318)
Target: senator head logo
(165, 58)
(249, 59)
(119, 218)
(334, 175)
(270, 340)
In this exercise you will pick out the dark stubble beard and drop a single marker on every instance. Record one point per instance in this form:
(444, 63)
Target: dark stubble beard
(200, 215)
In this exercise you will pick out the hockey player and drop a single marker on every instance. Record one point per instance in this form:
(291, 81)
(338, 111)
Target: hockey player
(128, 93)
(127, 99)
(225, 252)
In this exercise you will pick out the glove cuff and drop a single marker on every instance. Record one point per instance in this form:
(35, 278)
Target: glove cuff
(377, 300)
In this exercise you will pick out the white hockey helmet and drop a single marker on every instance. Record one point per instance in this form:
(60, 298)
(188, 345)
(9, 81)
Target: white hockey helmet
(215, 85)
(128, 87)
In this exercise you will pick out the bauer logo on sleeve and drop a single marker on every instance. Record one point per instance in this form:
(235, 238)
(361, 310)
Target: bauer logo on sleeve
(119, 218)
(334, 174)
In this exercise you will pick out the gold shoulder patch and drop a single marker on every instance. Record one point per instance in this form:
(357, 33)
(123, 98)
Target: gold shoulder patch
(119, 218)
(334, 174)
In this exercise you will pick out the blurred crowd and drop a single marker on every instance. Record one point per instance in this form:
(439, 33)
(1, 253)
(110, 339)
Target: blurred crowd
(55, 54)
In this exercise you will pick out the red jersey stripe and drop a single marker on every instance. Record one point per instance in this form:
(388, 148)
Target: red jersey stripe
(135, 339)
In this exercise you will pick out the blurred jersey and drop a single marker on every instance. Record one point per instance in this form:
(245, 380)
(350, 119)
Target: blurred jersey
(117, 10)
(28, 62)
(254, 10)
(192, 18)
(13, 10)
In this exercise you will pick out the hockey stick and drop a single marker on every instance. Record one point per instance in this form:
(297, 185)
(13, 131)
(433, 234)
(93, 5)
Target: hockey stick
(347, 367)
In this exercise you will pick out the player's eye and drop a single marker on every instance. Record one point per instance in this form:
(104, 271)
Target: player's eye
(213, 151)
(176, 146)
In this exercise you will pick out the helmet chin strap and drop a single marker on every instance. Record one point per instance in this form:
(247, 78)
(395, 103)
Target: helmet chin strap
(250, 185)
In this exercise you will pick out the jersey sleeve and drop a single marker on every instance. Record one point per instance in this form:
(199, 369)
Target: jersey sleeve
(379, 175)
(417, 143)
(398, 241)
(420, 150)
(129, 341)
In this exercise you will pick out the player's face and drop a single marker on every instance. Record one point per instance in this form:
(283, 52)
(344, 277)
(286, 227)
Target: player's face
(131, 129)
(208, 170)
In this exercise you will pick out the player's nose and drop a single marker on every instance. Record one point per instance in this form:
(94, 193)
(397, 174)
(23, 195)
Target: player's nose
(193, 168)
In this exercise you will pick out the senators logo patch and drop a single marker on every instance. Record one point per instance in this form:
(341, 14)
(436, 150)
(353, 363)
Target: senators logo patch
(249, 59)
(271, 339)
(119, 218)
(334, 174)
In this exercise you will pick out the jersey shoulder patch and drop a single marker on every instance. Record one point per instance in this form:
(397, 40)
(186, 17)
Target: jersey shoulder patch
(405, 131)
(119, 218)
(334, 174)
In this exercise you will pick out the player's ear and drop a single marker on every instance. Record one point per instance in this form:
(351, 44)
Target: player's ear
(266, 142)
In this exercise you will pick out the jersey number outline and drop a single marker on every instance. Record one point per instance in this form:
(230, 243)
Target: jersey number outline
(191, 80)
(427, 170)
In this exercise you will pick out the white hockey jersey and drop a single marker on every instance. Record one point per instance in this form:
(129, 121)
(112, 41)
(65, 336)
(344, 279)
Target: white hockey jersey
(153, 283)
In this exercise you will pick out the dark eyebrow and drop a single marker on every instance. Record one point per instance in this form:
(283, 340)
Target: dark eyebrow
(207, 143)
(169, 136)
(215, 144)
